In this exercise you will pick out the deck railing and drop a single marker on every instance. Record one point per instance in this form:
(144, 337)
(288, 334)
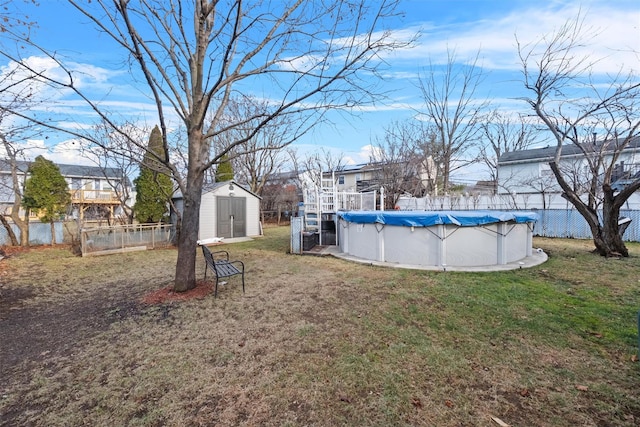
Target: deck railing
(94, 196)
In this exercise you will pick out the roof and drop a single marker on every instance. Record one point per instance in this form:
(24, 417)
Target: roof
(356, 168)
(547, 153)
(69, 171)
(279, 176)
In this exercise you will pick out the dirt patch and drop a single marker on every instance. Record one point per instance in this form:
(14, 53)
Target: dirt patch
(32, 335)
(167, 294)
(42, 321)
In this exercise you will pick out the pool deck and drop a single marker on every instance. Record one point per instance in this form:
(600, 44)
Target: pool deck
(538, 257)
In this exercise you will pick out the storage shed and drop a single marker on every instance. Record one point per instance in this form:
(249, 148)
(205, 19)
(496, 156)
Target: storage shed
(227, 210)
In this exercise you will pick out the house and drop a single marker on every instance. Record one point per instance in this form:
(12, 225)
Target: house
(405, 176)
(94, 190)
(482, 187)
(360, 177)
(226, 210)
(527, 172)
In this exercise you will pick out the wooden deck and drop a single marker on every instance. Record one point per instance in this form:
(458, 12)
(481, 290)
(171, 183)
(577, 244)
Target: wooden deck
(102, 197)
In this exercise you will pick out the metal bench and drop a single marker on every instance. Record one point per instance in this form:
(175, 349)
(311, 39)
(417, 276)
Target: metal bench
(218, 262)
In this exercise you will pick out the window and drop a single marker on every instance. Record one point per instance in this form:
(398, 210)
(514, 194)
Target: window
(358, 177)
(545, 170)
(341, 180)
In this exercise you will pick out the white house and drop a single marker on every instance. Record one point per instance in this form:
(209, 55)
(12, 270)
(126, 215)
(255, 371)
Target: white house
(527, 174)
(227, 210)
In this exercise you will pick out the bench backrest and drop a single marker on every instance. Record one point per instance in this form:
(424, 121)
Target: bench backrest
(208, 256)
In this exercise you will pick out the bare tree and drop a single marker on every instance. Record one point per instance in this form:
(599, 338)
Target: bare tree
(12, 19)
(399, 161)
(192, 56)
(430, 157)
(262, 153)
(280, 195)
(15, 96)
(449, 95)
(504, 134)
(315, 164)
(599, 124)
(12, 187)
(118, 158)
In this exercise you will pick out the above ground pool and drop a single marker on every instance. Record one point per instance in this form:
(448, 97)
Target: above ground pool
(439, 239)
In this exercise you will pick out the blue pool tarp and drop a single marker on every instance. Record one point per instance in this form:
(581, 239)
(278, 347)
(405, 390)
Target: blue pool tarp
(429, 218)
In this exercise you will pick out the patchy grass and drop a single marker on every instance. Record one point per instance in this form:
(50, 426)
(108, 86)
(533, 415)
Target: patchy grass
(320, 341)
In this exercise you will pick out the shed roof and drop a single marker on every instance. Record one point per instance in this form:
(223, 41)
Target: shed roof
(209, 188)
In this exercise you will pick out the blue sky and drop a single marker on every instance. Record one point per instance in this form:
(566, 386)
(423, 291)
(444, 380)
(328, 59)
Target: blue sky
(469, 27)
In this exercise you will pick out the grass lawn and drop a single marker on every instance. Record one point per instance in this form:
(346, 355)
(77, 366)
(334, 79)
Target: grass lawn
(321, 341)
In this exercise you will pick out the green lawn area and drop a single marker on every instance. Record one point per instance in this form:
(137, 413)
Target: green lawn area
(321, 341)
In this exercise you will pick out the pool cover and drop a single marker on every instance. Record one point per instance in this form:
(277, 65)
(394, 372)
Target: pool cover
(429, 218)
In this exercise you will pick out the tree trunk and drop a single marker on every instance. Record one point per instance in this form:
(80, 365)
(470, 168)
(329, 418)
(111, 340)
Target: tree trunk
(53, 232)
(23, 225)
(10, 233)
(189, 225)
(606, 237)
(188, 238)
(609, 241)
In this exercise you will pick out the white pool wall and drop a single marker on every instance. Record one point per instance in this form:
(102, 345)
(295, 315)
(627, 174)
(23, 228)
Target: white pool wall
(437, 245)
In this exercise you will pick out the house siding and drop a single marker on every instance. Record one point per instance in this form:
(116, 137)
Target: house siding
(350, 182)
(208, 223)
(253, 215)
(524, 176)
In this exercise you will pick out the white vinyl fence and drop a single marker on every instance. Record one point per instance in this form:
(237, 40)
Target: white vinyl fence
(557, 221)
(569, 223)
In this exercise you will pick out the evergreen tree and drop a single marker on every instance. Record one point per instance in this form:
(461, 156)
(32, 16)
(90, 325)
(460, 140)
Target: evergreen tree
(46, 192)
(224, 171)
(153, 185)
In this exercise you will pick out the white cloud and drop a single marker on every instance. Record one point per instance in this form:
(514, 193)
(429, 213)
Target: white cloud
(615, 39)
(29, 149)
(364, 155)
(70, 152)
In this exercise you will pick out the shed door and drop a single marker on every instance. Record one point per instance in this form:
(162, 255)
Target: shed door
(231, 217)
